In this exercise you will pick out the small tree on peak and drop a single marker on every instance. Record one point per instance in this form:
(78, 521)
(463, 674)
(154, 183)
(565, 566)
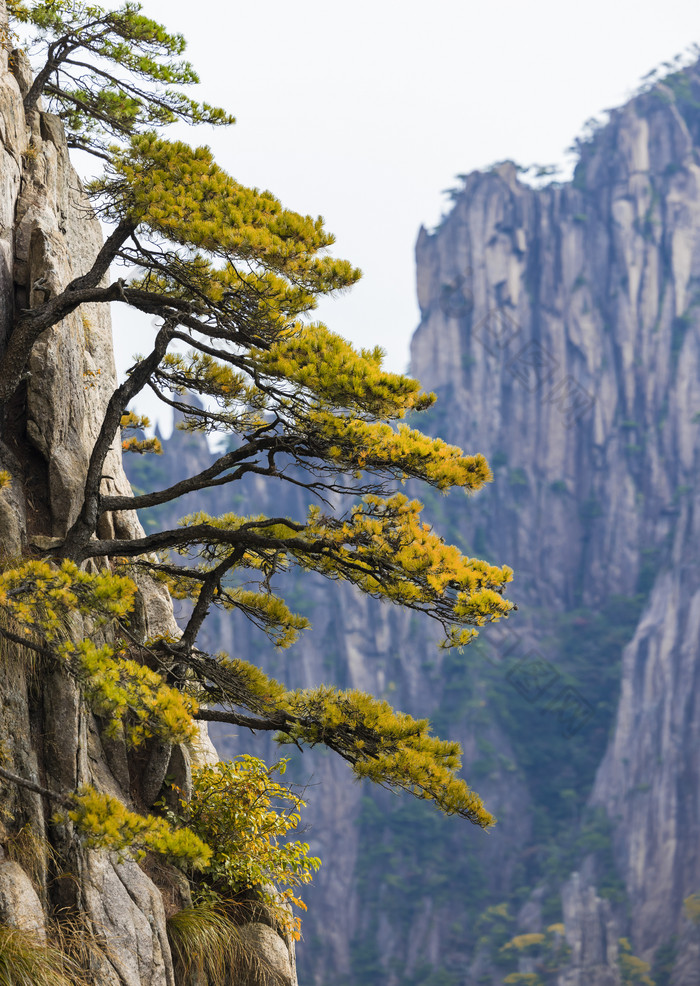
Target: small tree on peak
(108, 74)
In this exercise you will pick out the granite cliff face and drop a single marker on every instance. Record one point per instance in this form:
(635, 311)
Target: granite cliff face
(576, 356)
(560, 329)
(48, 236)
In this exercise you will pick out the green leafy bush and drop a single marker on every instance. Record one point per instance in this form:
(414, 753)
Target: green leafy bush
(245, 816)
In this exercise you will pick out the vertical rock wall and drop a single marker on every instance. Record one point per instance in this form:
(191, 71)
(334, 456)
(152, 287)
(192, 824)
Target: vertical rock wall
(562, 327)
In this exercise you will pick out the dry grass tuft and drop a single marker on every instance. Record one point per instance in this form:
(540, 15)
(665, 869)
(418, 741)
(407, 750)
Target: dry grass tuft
(33, 852)
(207, 946)
(74, 936)
(26, 960)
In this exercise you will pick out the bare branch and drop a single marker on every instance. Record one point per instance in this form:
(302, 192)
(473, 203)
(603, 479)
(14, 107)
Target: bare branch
(36, 788)
(196, 534)
(15, 638)
(56, 52)
(235, 719)
(78, 145)
(203, 480)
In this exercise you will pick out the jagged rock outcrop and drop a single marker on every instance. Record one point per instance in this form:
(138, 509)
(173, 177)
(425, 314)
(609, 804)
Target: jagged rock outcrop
(48, 236)
(577, 355)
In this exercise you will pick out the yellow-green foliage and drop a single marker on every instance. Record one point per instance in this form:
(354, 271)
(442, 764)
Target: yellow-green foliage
(43, 599)
(691, 905)
(268, 611)
(41, 596)
(383, 548)
(524, 943)
(134, 422)
(549, 950)
(387, 535)
(137, 422)
(523, 979)
(239, 683)
(105, 823)
(264, 609)
(180, 193)
(633, 971)
(386, 746)
(556, 950)
(26, 960)
(493, 928)
(322, 363)
(340, 403)
(122, 689)
(245, 816)
(5, 479)
(142, 445)
(261, 692)
(352, 443)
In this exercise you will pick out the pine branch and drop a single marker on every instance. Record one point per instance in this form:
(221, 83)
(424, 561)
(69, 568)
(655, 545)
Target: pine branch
(90, 109)
(33, 322)
(84, 527)
(205, 597)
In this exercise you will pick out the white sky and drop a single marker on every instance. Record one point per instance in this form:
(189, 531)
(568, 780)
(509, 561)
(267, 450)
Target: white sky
(365, 112)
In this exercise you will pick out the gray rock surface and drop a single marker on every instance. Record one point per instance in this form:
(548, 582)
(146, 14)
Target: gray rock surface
(580, 337)
(127, 909)
(20, 906)
(592, 933)
(278, 961)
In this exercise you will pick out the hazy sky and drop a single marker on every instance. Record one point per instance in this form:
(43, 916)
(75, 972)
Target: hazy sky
(365, 112)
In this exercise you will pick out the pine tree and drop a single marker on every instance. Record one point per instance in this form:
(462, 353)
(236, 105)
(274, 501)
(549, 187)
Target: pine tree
(233, 275)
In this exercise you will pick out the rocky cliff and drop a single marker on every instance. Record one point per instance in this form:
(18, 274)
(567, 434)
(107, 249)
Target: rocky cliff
(578, 332)
(49, 884)
(560, 328)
